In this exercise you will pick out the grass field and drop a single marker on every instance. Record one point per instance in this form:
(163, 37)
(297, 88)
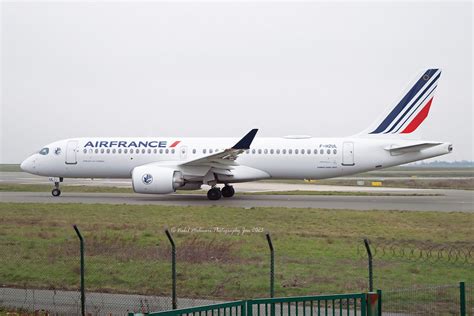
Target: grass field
(222, 252)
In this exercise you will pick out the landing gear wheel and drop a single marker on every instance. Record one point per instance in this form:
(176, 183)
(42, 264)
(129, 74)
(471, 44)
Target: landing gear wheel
(214, 194)
(228, 191)
(56, 192)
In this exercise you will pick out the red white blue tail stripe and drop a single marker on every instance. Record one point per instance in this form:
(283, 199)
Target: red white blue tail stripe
(413, 108)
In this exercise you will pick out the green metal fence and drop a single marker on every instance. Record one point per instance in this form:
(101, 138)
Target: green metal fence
(237, 308)
(343, 304)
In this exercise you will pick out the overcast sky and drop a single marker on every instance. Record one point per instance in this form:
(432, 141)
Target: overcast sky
(219, 69)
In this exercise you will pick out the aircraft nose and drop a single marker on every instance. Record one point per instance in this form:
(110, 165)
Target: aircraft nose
(28, 165)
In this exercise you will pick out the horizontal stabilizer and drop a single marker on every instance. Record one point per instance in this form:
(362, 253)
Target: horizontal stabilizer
(395, 149)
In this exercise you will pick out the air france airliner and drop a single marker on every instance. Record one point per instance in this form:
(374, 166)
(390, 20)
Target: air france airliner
(162, 165)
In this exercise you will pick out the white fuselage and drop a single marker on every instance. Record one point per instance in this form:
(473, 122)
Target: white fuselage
(278, 158)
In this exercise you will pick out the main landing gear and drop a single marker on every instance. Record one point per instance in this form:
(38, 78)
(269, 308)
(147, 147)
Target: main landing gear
(56, 192)
(228, 191)
(215, 193)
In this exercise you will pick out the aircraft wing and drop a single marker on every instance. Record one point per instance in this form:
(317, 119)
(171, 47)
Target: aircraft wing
(395, 149)
(224, 159)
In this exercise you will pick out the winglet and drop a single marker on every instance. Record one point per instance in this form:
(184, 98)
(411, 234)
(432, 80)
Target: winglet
(247, 140)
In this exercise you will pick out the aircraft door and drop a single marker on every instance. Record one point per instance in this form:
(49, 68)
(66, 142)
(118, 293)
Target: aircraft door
(71, 152)
(348, 154)
(183, 152)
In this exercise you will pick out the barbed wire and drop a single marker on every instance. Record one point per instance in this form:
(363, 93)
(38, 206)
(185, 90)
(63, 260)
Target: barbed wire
(420, 252)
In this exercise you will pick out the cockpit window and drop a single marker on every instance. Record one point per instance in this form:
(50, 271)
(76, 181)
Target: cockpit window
(44, 151)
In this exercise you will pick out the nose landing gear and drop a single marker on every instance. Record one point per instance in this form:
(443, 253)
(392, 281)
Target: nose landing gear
(56, 192)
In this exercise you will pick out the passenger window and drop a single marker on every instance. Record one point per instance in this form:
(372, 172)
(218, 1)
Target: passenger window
(271, 151)
(149, 150)
(161, 150)
(90, 151)
(247, 151)
(259, 151)
(155, 151)
(131, 150)
(96, 150)
(265, 151)
(172, 151)
(194, 150)
(108, 150)
(204, 151)
(278, 151)
(125, 150)
(113, 151)
(85, 151)
(290, 151)
(210, 151)
(119, 150)
(334, 151)
(328, 151)
(102, 150)
(315, 151)
(296, 151)
(283, 151)
(143, 150)
(321, 151)
(167, 151)
(302, 151)
(253, 151)
(308, 151)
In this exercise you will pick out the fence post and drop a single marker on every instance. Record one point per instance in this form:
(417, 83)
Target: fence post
(372, 304)
(272, 265)
(379, 310)
(462, 298)
(83, 297)
(369, 255)
(173, 269)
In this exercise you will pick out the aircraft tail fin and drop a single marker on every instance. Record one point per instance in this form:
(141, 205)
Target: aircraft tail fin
(407, 115)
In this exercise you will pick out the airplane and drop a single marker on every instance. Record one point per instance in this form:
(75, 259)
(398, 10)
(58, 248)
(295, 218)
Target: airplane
(158, 165)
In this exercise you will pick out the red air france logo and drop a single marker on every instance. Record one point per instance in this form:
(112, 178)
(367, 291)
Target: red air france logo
(175, 144)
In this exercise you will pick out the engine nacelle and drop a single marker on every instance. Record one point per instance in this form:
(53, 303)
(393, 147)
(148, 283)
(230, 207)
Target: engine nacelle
(156, 180)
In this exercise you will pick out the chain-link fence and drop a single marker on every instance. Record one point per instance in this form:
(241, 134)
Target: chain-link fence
(432, 300)
(128, 273)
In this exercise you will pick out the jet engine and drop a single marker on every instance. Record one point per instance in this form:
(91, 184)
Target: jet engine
(156, 180)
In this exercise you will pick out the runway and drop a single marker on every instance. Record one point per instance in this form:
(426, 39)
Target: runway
(452, 201)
